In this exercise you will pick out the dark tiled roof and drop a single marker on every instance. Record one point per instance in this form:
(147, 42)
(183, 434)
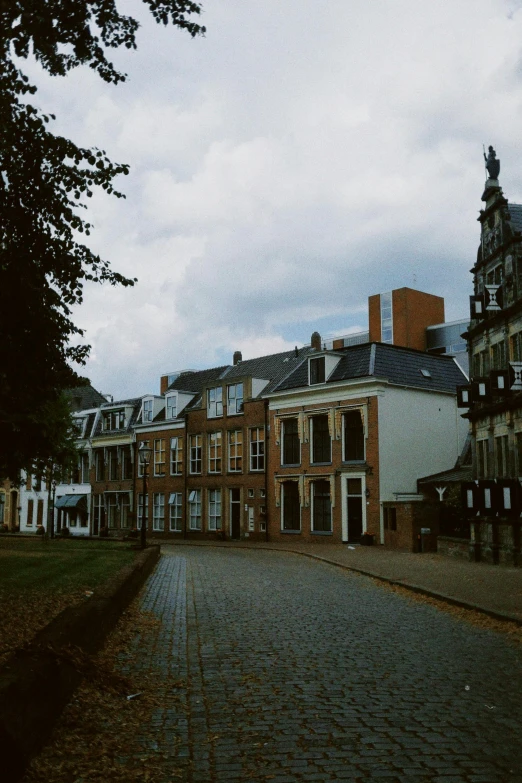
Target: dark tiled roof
(515, 210)
(196, 381)
(459, 473)
(400, 366)
(82, 398)
(272, 368)
(136, 405)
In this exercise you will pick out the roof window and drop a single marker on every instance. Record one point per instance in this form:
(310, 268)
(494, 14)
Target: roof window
(426, 373)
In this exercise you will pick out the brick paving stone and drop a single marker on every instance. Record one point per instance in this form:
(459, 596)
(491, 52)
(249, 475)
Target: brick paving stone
(288, 669)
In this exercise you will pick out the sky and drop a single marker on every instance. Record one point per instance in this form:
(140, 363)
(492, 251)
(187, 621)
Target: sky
(300, 157)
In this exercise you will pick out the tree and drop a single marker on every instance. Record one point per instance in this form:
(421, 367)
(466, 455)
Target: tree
(45, 181)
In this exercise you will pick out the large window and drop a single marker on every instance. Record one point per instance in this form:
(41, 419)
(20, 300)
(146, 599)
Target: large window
(215, 402)
(175, 512)
(195, 453)
(498, 355)
(502, 456)
(194, 504)
(112, 509)
(30, 505)
(176, 456)
(234, 398)
(126, 462)
(100, 465)
(291, 511)
(214, 452)
(84, 468)
(140, 510)
(112, 453)
(317, 370)
(235, 451)
(158, 519)
(171, 402)
(353, 436)
(516, 347)
(140, 463)
(320, 438)
(291, 451)
(214, 509)
(98, 513)
(257, 448)
(321, 507)
(159, 457)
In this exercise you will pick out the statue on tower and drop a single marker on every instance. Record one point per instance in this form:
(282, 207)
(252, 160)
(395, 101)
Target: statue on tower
(492, 164)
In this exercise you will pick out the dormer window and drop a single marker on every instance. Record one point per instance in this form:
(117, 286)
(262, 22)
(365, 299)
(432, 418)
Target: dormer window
(147, 410)
(78, 426)
(317, 370)
(215, 402)
(114, 420)
(235, 399)
(172, 406)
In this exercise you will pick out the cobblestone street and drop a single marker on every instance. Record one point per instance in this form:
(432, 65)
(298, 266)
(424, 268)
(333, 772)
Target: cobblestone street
(284, 669)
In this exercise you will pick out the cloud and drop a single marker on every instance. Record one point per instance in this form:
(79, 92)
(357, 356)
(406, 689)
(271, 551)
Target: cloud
(297, 159)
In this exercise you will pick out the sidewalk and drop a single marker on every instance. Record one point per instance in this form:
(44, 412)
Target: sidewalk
(494, 590)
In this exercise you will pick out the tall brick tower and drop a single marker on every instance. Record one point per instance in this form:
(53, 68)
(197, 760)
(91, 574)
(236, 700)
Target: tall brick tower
(400, 317)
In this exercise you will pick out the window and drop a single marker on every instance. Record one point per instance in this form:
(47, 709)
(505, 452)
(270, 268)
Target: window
(159, 457)
(291, 451)
(100, 465)
(124, 511)
(176, 456)
(317, 370)
(99, 513)
(214, 509)
(482, 458)
(214, 452)
(140, 463)
(320, 438)
(113, 420)
(39, 511)
(516, 347)
(321, 507)
(158, 518)
(291, 511)
(112, 454)
(84, 468)
(498, 355)
(353, 434)
(235, 451)
(257, 448)
(502, 456)
(195, 453)
(140, 510)
(235, 398)
(175, 512)
(30, 505)
(262, 493)
(112, 509)
(172, 406)
(250, 493)
(215, 402)
(481, 364)
(147, 410)
(386, 318)
(194, 503)
(126, 463)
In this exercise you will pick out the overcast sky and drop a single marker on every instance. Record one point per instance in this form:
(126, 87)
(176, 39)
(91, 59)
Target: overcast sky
(301, 156)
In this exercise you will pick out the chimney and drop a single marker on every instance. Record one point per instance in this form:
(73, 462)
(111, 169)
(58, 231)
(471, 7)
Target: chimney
(237, 357)
(316, 341)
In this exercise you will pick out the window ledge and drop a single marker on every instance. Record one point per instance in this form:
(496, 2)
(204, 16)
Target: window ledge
(321, 532)
(320, 464)
(291, 465)
(291, 532)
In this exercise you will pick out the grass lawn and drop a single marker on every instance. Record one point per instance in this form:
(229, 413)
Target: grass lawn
(40, 578)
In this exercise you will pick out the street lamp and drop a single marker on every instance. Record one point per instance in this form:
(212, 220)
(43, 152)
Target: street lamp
(144, 455)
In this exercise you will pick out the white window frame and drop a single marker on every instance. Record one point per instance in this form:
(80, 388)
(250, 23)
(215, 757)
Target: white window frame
(257, 449)
(176, 456)
(194, 509)
(140, 463)
(235, 401)
(159, 451)
(148, 410)
(214, 510)
(215, 402)
(195, 449)
(213, 446)
(158, 512)
(176, 512)
(235, 453)
(139, 509)
(171, 406)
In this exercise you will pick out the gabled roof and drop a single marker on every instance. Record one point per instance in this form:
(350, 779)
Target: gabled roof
(392, 363)
(273, 367)
(197, 380)
(84, 397)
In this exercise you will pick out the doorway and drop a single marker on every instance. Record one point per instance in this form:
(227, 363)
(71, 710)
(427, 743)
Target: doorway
(354, 508)
(235, 513)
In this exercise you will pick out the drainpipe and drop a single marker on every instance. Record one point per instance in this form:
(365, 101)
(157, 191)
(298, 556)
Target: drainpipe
(267, 452)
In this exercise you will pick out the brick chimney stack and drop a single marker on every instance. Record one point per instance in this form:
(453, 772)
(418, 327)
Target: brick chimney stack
(316, 341)
(238, 357)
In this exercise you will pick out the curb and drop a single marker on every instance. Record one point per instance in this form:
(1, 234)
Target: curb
(37, 682)
(448, 599)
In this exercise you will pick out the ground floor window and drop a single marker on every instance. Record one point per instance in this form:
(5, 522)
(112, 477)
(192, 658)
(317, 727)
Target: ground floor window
(321, 507)
(140, 510)
(175, 512)
(291, 509)
(214, 509)
(158, 518)
(30, 506)
(194, 502)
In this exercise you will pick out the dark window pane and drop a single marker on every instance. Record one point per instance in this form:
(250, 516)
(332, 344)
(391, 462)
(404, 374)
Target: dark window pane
(317, 373)
(353, 436)
(291, 515)
(290, 442)
(321, 445)
(322, 508)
